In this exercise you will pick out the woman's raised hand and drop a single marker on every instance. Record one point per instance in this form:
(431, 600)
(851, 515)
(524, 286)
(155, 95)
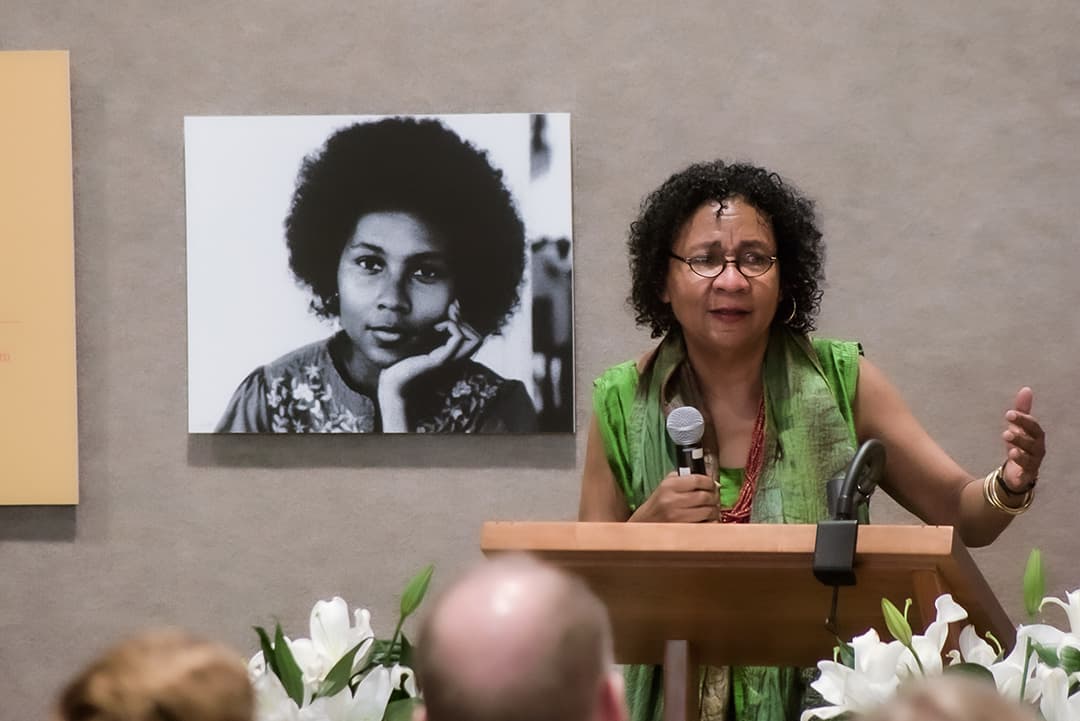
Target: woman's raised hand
(680, 499)
(462, 341)
(1025, 443)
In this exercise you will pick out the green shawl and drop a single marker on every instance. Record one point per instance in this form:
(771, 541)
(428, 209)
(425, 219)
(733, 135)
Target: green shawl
(809, 437)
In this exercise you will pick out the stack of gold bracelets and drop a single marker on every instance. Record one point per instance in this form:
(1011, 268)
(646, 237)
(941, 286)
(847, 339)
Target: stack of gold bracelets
(995, 481)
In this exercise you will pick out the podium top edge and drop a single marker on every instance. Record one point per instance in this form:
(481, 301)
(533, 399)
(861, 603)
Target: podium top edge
(686, 538)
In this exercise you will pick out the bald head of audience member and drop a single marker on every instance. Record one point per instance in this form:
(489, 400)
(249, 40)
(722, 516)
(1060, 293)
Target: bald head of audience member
(518, 639)
(162, 675)
(950, 697)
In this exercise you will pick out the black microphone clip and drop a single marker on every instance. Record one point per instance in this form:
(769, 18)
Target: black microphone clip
(834, 548)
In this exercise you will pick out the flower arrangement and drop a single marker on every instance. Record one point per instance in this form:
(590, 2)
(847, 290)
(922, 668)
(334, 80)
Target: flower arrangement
(342, 672)
(1042, 670)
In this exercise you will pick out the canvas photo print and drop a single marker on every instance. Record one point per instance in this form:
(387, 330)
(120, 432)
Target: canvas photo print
(379, 274)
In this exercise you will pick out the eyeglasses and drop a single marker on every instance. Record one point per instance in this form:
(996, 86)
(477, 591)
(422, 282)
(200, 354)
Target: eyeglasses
(749, 263)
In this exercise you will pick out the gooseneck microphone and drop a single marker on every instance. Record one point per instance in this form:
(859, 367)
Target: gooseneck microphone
(834, 547)
(685, 427)
(848, 492)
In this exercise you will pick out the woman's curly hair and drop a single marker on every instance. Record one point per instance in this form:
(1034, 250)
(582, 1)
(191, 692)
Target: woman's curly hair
(800, 251)
(419, 167)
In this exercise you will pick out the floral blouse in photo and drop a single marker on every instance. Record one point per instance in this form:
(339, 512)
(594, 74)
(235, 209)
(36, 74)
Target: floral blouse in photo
(304, 392)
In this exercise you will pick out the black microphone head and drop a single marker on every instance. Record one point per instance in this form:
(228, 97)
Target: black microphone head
(860, 478)
(685, 426)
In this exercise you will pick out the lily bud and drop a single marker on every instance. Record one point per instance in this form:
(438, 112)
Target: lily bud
(897, 622)
(1034, 582)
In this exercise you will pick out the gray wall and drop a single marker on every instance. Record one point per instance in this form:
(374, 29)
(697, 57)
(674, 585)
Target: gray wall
(940, 141)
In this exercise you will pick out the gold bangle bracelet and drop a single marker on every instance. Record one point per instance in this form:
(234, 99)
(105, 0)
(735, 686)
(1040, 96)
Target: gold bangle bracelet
(999, 477)
(991, 496)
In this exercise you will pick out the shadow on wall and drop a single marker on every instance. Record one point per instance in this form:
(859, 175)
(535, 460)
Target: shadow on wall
(555, 452)
(37, 523)
(382, 451)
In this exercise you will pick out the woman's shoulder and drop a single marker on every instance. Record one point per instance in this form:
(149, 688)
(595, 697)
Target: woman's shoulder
(840, 362)
(308, 362)
(315, 354)
(837, 353)
(621, 375)
(615, 389)
(299, 392)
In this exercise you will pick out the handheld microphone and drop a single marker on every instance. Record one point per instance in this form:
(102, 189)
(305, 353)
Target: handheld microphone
(685, 427)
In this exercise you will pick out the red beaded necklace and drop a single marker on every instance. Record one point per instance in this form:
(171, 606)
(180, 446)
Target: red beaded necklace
(740, 512)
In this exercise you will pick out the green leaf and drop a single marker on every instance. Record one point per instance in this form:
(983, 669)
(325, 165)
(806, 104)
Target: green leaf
(382, 654)
(405, 658)
(845, 652)
(1034, 582)
(1046, 654)
(291, 676)
(415, 591)
(401, 710)
(338, 677)
(268, 651)
(973, 670)
(1070, 659)
(897, 622)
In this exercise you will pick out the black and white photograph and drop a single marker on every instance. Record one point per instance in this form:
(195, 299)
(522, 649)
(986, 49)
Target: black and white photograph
(379, 274)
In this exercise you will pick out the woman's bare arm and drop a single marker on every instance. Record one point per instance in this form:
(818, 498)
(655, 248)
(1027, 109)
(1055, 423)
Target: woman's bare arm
(924, 478)
(601, 498)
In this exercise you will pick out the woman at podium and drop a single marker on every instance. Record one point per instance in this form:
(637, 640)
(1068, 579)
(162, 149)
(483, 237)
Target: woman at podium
(726, 263)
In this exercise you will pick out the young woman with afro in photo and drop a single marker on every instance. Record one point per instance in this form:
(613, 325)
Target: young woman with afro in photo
(408, 237)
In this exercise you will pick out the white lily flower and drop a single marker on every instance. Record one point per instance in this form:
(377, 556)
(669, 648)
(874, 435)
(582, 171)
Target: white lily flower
(1056, 638)
(930, 644)
(1072, 609)
(256, 666)
(404, 678)
(881, 667)
(872, 681)
(1056, 704)
(311, 663)
(338, 707)
(300, 648)
(373, 693)
(1009, 672)
(973, 649)
(272, 703)
(370, 701)
(332, 635)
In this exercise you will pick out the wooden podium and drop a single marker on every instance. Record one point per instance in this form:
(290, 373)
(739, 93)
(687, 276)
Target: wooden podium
(687, 594)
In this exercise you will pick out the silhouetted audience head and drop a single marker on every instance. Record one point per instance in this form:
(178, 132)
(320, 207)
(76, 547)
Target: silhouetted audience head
(162, 675)
(952, 697)
(515, 639)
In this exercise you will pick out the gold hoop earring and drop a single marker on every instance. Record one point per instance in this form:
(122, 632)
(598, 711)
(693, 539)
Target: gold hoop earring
(794, 308)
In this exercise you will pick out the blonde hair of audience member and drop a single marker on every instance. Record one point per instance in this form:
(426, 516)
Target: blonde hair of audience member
(164, 675)
(518, 639)
(952, 697)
